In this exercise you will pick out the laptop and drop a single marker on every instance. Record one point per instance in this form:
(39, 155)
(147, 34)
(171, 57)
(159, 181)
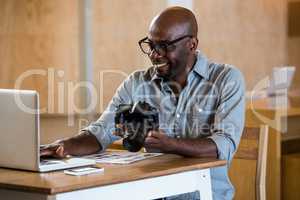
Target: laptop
(20, 134)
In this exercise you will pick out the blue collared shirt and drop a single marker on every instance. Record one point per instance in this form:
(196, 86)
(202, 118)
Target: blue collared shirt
(210, 105)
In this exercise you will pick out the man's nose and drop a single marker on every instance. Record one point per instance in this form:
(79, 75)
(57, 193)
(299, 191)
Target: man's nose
(154, 55)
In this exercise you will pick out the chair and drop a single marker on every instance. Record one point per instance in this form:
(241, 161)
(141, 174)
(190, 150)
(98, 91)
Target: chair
(248, 167)
(290, 163)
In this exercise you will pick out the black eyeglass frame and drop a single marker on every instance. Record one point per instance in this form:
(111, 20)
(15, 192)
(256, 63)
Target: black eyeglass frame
(163, 45)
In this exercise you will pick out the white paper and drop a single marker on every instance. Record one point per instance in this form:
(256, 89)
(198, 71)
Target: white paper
(121, 157)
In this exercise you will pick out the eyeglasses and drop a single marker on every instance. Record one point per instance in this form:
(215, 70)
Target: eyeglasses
(162, 48)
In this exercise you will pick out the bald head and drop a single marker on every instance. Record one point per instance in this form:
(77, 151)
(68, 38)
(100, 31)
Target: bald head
(173, 22)
(173, 42)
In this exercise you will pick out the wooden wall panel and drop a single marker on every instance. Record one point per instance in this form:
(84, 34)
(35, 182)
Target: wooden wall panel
(293, 18)
(40, 35)
(294, 39)
(294, 59)
(118, 26)
(249, 34)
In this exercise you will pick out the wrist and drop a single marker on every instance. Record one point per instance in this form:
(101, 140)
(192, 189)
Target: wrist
(172, 146)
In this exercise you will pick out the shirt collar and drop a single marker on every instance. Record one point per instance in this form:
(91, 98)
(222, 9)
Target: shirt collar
(201, 66)
(156, 78)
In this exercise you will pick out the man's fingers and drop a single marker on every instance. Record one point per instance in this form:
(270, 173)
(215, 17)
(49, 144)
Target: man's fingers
(152, 133)
(120, 130)
(152, 145)
(155, 134)
(151, 140)
(46, 152)
(54, 150)
(60, 151)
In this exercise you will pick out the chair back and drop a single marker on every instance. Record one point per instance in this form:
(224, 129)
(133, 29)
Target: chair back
(248, 167)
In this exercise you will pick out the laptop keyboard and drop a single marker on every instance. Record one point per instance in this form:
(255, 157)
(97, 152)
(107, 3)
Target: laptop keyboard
(50, 162)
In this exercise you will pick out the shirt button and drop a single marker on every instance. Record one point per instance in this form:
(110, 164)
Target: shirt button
(178, 115)
(177, 136)
(200, 110)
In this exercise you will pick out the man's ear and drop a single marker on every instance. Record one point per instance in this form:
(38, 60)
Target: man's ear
(193, 44)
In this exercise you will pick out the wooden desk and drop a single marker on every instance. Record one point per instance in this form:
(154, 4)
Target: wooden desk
(282, 114)
(154, 178)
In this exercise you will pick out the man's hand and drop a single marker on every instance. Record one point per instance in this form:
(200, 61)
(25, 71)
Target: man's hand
(55, 149)
(82, 144)
(197, 147)
(160, 141)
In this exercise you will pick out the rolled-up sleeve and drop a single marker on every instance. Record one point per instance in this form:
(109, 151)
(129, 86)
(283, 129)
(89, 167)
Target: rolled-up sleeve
(104, 127)
(230, 114)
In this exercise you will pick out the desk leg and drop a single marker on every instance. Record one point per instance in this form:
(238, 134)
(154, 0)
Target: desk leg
(205, 188)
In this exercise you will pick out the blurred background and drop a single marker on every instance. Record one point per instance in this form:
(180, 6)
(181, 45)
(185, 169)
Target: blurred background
(96, 40)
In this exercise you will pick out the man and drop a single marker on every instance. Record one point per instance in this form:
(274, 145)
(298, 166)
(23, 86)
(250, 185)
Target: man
(200, 103)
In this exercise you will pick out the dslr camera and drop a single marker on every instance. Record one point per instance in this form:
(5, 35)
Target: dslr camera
(133, 122)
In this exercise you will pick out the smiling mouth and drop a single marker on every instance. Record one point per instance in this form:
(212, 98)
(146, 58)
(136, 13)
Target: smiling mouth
(161, 65)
